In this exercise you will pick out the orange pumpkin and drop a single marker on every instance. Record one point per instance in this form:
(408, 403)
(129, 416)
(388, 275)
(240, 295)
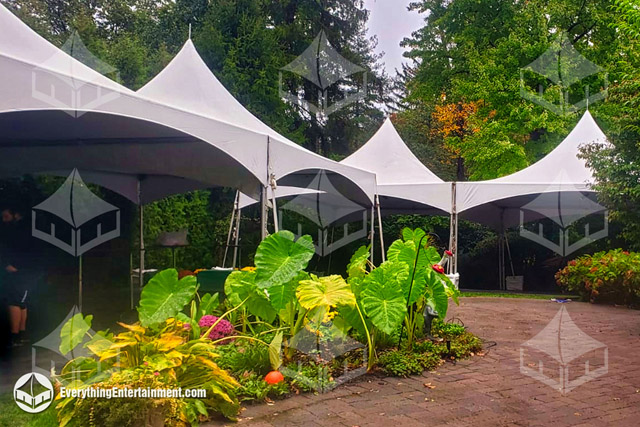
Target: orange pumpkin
(274, 377)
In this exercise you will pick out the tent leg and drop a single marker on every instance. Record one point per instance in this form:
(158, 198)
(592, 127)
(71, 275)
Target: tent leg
(230, 233)
(80, 283)
(382, 254)
(263, 213)
(275, 210)
(142, 250)
(371, 234)
(453, 231)
(131, 280)
(236, 239)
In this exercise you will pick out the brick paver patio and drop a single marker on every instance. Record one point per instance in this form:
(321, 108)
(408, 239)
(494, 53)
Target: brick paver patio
(489, 389)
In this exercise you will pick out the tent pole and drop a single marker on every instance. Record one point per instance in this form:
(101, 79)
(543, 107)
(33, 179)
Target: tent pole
(453, 231)
(276, 226)
(230, 233)
(371, 234)
(383, 257)
(237, 238)
(141, 212)
(263, 213)
(80, 283)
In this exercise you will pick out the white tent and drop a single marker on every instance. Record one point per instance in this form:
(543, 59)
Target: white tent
(405, 185)
(188, 83)
(557, 187)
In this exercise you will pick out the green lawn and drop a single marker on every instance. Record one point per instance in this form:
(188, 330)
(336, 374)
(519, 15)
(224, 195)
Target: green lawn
(12, 416)
(498, 294)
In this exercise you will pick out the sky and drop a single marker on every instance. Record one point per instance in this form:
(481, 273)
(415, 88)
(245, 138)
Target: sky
(391, 22)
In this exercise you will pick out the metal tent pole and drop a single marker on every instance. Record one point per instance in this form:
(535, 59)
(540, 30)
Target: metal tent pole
(453, 231)
(231, 223)
(237, 239)
(80, 283)
(372, 233)
(273, 202)
(382, 254)
(263, 213)
(142, 249)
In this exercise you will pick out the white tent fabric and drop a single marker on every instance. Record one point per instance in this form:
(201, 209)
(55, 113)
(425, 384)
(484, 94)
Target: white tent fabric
(497, 202)
(188, 83)
(400, 175)
(58, 114)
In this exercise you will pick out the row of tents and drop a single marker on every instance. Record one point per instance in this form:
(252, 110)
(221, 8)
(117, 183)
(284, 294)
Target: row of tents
(184, 131)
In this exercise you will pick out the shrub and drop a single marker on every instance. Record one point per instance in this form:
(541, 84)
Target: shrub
(611, 277)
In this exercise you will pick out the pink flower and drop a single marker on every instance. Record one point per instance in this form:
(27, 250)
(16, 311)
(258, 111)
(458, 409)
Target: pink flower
(146, 363)
(187, 326)
(156, 373)
(438, 268)
(224, 328)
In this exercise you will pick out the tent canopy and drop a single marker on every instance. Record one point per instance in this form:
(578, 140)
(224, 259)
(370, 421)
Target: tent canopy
(188, 83)
(405, 185)
(57, 114)
(538, 187)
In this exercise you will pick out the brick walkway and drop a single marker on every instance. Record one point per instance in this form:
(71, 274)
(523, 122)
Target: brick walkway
(488, 390)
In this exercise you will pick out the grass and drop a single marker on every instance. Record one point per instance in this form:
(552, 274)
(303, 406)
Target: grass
(12, 416)
(498, 294)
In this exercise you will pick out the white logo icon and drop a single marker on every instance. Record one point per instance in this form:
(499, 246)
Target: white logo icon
(562, 341)
(33, 393)
(563, 66)
(76, 210)
(323, 66)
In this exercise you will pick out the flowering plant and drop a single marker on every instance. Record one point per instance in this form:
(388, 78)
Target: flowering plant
(223, 328)
(612, 276)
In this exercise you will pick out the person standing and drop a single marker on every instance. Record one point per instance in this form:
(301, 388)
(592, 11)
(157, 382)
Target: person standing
(19, 265)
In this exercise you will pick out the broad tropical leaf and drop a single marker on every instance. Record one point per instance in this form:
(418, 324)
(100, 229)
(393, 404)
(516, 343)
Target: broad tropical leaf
(165, 296)
(383, 297)
(357, 267)
(208, 303)
(73, 332)
(436, 295)
(240, 286)
(330, 291)
(281, 295)
(414, 236)
(279, 258)
(275, 348)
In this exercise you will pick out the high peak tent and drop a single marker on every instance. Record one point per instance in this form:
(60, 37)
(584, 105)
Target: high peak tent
(58, 114)
(497, 202)
(557, 187)
(405, 185)
(188, 83)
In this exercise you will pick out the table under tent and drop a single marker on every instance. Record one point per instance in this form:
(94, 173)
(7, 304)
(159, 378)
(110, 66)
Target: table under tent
(58, 115)
(557, 187)
(404, 186)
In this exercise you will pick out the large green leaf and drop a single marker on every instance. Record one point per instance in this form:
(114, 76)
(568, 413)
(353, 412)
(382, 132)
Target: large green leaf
(357, 267)
(330, 291)
(279, 258)
(383, 297)
(73, 332)
(240, 286)
(414, 236)
(275, 350)
(436, 294)
(165, 296)
(281, 295)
